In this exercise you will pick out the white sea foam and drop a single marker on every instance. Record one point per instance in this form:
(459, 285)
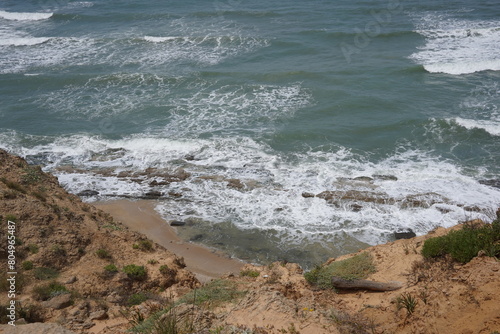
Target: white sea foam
(490, 126)
(16, 16)
(208, 109)
(22, 41)
(158, 39)
(457, 46)
(272, 199)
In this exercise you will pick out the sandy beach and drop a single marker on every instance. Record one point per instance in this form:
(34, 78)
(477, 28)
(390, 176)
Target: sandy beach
(140, 216)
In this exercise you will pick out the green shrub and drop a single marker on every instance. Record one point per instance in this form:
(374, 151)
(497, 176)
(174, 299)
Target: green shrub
(144, 245)
(47, 291)
(27, 265)
(356, 267)
(44, 273)
(250, 273)
(435, 247)
(214, 293)
(152, 261)
(136, 299)
(135, 272)
(111, 268)
(103, 254)
(463, 245)
(31, 175)
(11, 218)
(32, 248)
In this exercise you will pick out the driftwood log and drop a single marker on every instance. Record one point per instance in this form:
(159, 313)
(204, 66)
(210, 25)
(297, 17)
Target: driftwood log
(342, 283)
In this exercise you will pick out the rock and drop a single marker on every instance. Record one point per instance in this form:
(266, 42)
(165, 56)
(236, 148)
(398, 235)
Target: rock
(336, 197)
(385, 177)
(58, 302)
(405, 234)
(88, 193)
(307, 195)
(37, 327)
(472, 208)
(114, 298)
(71, 280)
(356, 207)
(189, 157)
(88, 324)
(177, 223)
(363, 178)
(235, 184)
(98, 315)
(491, 183)
(196, 237)
(152, 194)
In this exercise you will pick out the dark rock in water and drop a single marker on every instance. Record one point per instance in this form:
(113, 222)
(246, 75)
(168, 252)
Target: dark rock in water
(88, 193)
(152, 194)
(307, 195)
(156, 183)
(385, 177)
(196, 237)
(363, 178)
(177, 223)
(174, 194)
(405, 234)
(472, 208)
(491, 183)
(443, 210)
(189, 157)
(235, 184)
(356, 207)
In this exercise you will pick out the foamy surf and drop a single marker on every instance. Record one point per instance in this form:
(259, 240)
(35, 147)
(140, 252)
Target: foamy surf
(14, 16)
(23, 41)
(490, 126)
(253, 186)
(457, 46)
(158, 39)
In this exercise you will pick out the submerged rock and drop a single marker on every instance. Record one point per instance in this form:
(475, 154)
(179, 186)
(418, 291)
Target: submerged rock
(492, 183)
(88, 193)
(363, 179)
(385, 177)
(152, 194)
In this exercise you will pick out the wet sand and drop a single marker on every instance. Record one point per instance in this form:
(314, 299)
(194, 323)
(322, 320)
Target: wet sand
(140, 216)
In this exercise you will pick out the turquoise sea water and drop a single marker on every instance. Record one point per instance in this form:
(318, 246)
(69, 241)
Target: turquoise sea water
(288, 97)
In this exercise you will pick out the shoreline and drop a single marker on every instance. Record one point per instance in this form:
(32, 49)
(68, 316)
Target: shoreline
(140, 216)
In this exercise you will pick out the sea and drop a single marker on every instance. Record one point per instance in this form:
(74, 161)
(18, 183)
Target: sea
(276, 130)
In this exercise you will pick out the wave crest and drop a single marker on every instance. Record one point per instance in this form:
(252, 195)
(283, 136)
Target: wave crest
(19, 16)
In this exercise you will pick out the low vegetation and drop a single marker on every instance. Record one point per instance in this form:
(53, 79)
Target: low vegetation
(103, 254)
(463, 245)
(135, 272)
(250, 273)
(47, 291)
(214, 293)
(45, 273)
(356, 267)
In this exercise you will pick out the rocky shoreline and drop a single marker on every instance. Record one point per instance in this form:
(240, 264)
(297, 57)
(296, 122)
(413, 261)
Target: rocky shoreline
(82, 270)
